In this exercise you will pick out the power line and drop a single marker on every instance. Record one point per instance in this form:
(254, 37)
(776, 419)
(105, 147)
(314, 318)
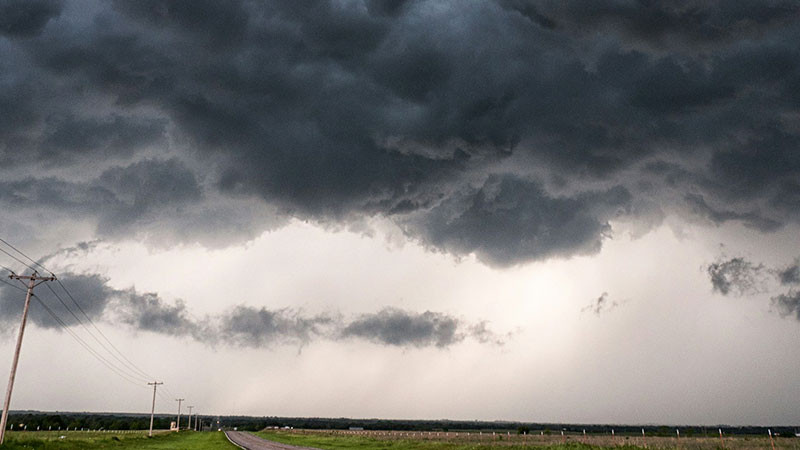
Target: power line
(13, 285)
(128, 371)
(18, 260)
(129, 363)
(14, 273)
(33, 280)
(26, 256)
(87, 346)
(89, 332)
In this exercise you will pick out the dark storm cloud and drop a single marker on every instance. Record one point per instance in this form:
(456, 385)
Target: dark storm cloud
(736, 276)
(718, 216)
(26, 18)
(418, 110)
(667, 25)
(67, 137)
(509, 220)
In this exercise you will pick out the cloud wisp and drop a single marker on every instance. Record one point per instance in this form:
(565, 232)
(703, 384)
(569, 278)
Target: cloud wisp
(736, 276)
(739, 277)
(601, 305)
(241, 326)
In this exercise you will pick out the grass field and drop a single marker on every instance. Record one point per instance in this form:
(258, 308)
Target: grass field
(382, 440)
(75, 440)
(339, 441)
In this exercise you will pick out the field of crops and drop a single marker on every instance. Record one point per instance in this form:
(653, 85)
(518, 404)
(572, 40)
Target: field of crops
(397, 440)
(76, 440)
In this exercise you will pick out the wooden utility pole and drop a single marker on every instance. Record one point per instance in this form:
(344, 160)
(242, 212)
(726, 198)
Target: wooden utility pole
(189, 427)
(33, 281)
(153, 408)
(179, 400)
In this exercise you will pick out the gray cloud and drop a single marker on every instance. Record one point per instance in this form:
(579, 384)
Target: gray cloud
(510, 220)
(691, 26)
(335, 110)
(91, 290)
(27, 18)
(153, 199)
(788, 304)
(736, 276)
(243, 326)
(148, 312)
(600, 305)
(260, 327)
(740, 277)
(790, 274)
(400, 328)
(716, 216)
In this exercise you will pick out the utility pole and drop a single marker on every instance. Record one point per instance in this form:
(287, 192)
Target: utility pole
(179, 400)
(190, 417)
(33, 281)
(153, 408)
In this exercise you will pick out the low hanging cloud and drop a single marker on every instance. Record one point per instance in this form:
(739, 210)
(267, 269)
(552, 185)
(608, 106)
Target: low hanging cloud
(243, 326)
(247, 326)
(788, 304)
(739, 276)
(736, 276)
(396, 327)
(790, 275)
(509, 220)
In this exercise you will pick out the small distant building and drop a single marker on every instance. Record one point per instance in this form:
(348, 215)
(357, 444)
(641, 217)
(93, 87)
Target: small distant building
(356, 428)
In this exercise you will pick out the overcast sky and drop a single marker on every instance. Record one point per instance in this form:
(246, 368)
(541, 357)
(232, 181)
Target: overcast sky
(495, 209)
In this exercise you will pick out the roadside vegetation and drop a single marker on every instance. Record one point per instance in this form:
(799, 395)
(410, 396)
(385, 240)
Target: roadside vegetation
(378, 440)
(79, 440)
(343, 442)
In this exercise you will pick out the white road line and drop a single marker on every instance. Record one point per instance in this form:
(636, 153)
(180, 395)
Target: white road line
(234, 443)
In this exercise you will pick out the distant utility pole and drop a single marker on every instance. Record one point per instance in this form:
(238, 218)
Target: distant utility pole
(179, 400)
(190, 417)
(153, 408)
(33, 281)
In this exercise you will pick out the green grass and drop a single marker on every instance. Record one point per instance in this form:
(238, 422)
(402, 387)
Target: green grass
(339, 442)
(76, 440)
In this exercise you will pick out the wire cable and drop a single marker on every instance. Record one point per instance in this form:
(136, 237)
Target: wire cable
(89, 332)
(85, 345)
(13, 286)
(128, 362)
(18, 260)
(26, 256)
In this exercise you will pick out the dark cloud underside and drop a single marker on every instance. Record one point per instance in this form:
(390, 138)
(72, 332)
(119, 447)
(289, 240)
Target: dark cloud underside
(514, 129)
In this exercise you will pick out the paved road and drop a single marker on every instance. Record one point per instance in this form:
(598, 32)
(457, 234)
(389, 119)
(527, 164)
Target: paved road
(249, 442)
